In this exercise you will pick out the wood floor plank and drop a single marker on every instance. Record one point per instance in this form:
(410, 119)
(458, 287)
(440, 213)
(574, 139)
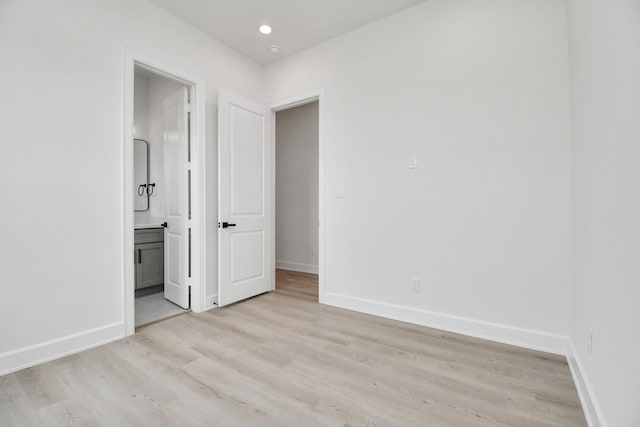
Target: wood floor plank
(16, 407)
(43, 386)
(69, 412)
(282, 359)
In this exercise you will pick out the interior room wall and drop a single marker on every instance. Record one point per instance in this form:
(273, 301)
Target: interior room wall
(62, 62)
(297, 188)
(605, 101)
(479, 92)
(141, 107)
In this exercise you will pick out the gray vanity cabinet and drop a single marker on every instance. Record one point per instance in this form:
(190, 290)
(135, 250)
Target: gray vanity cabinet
(149, 257)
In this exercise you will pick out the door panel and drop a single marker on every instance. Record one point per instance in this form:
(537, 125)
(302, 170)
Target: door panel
(174, 176)
(174, 257)
(247, 255)
(244, 155)
(176, 286)
(247, 175)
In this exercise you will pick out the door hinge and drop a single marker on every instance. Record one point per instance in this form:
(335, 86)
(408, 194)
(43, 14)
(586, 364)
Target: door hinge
(189, 136)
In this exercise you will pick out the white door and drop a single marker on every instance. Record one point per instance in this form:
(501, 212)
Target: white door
(176, 183)
(244, 198)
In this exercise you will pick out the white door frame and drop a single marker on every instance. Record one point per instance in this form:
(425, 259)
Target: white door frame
(285, 104)
(198, 193)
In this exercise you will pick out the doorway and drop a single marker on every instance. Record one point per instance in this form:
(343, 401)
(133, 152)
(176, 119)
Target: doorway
(161, 210)
(164, 193)
(297, 200)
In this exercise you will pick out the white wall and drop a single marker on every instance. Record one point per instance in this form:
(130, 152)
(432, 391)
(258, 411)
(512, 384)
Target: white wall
(479, 91)
(141, 107)
(61, 168)
(605, 72)
(297, 188)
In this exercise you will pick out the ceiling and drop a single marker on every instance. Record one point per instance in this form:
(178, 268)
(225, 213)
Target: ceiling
(297, 24)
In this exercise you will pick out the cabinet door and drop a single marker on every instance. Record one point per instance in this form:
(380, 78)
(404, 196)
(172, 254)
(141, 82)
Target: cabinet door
(150, 267)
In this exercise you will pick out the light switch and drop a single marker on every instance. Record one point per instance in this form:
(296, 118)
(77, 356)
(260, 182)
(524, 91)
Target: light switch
(413, 161)
(341, 191)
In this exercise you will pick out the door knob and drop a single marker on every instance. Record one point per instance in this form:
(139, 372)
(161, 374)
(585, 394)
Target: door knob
(225, 225)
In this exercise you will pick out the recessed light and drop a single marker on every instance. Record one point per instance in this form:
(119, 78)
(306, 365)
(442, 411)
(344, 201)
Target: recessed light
(275, 50)
(265, 29)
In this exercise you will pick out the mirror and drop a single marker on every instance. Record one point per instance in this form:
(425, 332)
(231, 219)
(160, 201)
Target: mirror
(140, 175)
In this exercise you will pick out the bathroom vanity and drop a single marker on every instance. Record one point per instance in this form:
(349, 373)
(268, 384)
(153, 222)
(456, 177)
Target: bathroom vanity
(149, 256)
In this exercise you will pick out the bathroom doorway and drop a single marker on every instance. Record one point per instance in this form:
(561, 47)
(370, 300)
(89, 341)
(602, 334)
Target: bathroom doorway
(164, 193)
(161, 182)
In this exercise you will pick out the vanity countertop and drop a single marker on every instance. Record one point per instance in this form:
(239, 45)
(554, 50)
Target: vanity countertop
(144, 226)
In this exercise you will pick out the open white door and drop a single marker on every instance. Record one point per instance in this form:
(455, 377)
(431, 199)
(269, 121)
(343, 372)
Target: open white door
(244, 198)
(176, 183)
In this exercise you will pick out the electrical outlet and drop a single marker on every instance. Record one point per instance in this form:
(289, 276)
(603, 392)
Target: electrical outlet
(589, 340)
(414, 285)
(413, 161)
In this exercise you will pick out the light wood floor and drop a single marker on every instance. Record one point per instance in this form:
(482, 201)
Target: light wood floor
(281, 359)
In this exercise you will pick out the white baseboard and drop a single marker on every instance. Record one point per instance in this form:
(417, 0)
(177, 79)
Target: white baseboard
(590, 406)
(296, 266)
(527, 338)
(26, 357)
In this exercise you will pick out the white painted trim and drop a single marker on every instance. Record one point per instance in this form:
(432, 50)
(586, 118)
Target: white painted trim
(273, 200)
(521, 337)
(128, 269)
(198, 181)
(296, 101)
(26, 357)
(296, 266)
(198, 198)
(592, 410)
